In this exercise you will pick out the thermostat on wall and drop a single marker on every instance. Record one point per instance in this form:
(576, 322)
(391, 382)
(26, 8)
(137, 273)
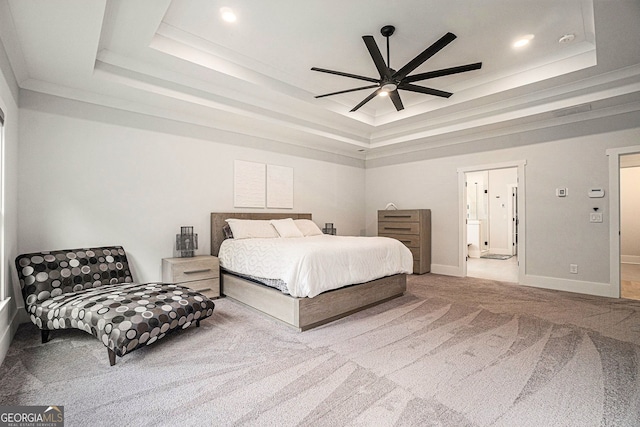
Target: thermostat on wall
(596, 193)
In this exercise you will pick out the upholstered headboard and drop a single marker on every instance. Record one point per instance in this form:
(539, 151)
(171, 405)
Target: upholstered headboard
(218, 221)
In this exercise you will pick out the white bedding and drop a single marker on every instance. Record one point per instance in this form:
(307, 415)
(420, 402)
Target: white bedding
(315, 264)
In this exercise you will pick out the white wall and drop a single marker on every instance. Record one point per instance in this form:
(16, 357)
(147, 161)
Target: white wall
(496, 221)
(477, 213)
(8, 103)
(558, 231)
(477, 183)
(629, 211)
(94, 178)
(85, 182)
(500, 222)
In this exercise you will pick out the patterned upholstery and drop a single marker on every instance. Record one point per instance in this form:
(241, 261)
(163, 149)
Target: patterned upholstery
(92, 290)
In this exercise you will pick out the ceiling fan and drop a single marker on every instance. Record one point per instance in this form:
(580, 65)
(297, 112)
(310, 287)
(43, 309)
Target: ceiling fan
(391, 80)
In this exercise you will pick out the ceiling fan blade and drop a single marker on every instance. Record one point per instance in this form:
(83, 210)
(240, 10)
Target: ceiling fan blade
(364, 101)
(346, 91)
(378, 60)
(443, 72)
(426, 54)
(426, 90)
(395, 97)
(340, 73)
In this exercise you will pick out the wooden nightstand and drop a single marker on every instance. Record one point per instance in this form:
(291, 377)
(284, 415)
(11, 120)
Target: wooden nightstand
(200, 273)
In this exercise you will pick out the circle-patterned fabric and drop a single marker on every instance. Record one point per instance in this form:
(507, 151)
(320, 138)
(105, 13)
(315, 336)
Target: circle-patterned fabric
(91, 290)
(48, 274)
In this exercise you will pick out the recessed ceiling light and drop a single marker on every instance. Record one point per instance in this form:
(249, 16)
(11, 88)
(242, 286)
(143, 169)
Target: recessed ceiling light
(228, 14)
(523, 41)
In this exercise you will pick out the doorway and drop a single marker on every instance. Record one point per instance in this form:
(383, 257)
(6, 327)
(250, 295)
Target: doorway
(616, 158)
(491, 217)
(630, 226)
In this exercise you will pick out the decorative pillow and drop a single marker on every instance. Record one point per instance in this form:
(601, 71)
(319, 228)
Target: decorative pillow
(251, 229)
(286, 228)
(307, 227)
(228, 234)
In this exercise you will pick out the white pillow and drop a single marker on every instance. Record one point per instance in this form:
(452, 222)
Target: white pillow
(251, 229)
(286, 228)
(307, 227)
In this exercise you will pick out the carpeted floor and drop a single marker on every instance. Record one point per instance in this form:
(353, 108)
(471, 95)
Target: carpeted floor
(450, 352)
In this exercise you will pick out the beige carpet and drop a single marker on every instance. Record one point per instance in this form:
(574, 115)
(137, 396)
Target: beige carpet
(450, 352)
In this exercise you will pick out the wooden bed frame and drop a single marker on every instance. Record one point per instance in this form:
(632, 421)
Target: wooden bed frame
(300, 313)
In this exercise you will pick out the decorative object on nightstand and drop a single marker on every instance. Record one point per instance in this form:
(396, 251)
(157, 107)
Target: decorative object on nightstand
(200, 273)
(413, 228)
(329, 229)
(186, 241)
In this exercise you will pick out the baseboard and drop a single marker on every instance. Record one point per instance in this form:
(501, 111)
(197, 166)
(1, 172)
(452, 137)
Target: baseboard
(446, 270)
(630, 259)
(554, 283)
(9, 323)
(577, 286)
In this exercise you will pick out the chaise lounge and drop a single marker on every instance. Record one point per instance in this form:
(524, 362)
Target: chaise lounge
(92, 290)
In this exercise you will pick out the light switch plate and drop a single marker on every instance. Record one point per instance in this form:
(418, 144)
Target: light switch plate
(561, 192)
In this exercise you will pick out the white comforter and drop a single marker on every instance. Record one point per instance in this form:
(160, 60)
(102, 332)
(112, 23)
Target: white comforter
(311, 265)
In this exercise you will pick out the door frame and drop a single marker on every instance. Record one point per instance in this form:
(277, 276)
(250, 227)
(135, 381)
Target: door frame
(462, 213)
(614, 209)
(512, 236)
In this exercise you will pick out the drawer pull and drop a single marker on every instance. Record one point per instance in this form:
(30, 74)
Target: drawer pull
(397, 216)
(397, 228)
(204, 270)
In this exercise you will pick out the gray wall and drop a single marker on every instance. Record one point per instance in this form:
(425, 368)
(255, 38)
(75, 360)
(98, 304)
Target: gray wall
(94, 180)
(558, 231)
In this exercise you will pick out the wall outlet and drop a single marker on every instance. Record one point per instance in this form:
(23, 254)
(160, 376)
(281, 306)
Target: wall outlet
(595, 217)
(573, 268)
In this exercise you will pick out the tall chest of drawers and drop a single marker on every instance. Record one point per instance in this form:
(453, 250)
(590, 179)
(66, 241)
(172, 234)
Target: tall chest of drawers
(413, 228)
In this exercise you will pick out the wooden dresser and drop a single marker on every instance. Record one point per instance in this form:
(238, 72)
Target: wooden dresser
(413, 228)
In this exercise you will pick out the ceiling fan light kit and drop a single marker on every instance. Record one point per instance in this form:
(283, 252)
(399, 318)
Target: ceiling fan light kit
(388, 87)
(391, 80)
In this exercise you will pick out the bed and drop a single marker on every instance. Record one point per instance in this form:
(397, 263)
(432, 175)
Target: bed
(300, 312)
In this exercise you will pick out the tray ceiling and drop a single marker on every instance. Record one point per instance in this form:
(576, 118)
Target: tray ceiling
(179, 59)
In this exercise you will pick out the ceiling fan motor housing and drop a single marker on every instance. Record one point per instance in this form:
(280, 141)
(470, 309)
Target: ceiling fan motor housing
(387, 30)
